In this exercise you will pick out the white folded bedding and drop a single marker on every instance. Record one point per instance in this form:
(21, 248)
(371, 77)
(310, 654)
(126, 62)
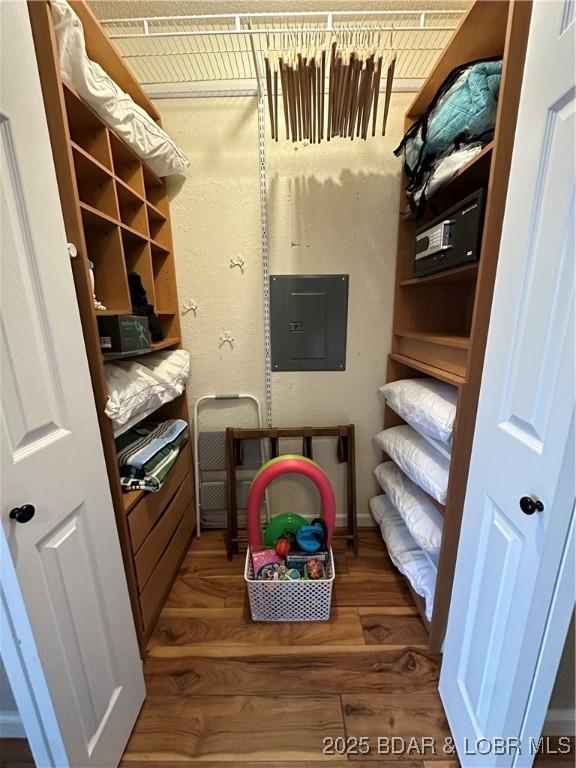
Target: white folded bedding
(404, 551)
(136, 388)
(416, 510)
(115, 107)
(427, 404)
(423, 464)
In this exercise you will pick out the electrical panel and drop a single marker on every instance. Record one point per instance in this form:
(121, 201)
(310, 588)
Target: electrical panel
(308, 322)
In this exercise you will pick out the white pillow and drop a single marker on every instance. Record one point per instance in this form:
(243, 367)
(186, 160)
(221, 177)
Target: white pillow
(116, 108)
(427, 404)
(404, 552)
(417, 458)
(419, 514)
(136, 388)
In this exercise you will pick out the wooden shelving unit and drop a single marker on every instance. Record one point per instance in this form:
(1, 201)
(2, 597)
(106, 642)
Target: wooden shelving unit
(441, 321)
(117, 214)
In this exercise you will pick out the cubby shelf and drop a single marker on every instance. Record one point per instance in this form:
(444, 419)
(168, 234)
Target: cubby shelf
(157, 346)
(464, 274)
(429, 370)
(165, 344)
(462, 341)
(117, 213)
(159, 248)
(472, 175)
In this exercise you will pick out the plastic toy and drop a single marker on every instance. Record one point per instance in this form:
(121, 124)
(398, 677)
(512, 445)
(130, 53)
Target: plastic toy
(284, 465)
(312, 538)
(283, 546)
(282, 526)
(314, 570)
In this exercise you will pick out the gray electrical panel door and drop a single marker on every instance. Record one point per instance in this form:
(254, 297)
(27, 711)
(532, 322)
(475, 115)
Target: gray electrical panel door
(308, 319)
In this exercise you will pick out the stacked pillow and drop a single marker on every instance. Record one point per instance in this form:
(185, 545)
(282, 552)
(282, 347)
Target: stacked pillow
(136, 388)
(404, 552)
(423, 464)
(418, 513)
(420, 451)
(427, 404)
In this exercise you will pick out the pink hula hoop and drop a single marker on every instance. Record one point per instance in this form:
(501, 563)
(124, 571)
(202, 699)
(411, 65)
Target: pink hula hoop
(286, 465)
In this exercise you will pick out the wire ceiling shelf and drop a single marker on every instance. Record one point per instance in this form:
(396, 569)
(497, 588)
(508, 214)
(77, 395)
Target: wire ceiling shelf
(203, 51)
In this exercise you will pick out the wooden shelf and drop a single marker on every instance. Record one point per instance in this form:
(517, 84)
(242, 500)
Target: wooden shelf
(90, 159)
(108, 200)
(473, 175)
(95, 218)
(132, 210)
(127, 167)
(122, 186)
(159, 248)
(483, 157)
(111, 312)
(464, 274)
(460, 341)
(429, 370)
(155, 213)
(165, 344)
(458, 298)
(134, 233)
(154, 347)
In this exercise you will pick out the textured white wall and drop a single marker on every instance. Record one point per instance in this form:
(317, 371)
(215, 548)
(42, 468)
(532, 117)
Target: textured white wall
(332, 208)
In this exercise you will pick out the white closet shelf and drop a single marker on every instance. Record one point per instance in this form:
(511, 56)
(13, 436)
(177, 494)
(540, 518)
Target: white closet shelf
(214, 50)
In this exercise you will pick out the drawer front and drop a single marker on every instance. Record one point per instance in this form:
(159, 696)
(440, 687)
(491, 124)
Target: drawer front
(144, 515)
(450, 359)
(155, 543)
(159, 583)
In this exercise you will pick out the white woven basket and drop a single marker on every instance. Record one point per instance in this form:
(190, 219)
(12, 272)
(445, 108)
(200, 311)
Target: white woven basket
(290, 600)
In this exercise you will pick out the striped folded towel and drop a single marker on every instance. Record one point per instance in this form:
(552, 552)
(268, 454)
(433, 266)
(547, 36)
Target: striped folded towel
(147, 453)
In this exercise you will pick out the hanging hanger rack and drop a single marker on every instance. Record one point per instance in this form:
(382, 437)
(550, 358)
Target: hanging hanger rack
(223, 54)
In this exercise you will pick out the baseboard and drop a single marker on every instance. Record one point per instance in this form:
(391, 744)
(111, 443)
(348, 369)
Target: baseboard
(365, 520)
(11, 725)
(560, 722)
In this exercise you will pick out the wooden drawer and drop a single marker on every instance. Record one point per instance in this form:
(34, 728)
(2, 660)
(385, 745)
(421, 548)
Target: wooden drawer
(144, 515)
(446, 357)
(156, 541)
(159, 583)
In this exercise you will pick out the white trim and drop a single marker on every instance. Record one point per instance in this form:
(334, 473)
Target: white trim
(24, 669)
(559, 617)
(11, 726)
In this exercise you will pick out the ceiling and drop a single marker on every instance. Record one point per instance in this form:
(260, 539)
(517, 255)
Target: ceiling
(109, 9)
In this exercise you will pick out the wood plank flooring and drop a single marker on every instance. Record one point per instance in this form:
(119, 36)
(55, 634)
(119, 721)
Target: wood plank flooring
(223, 689)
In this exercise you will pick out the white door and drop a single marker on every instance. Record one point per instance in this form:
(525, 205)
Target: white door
(507, 610)
(67, 556)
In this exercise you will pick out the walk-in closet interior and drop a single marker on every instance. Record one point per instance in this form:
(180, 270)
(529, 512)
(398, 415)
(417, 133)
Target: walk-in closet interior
(284, 223)
(252, 255)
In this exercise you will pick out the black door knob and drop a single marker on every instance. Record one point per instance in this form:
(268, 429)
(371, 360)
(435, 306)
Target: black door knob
(530, 504)
(22, 514)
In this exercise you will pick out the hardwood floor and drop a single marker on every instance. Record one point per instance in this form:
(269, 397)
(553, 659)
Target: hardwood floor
(15, 753)
(223, 689)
